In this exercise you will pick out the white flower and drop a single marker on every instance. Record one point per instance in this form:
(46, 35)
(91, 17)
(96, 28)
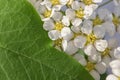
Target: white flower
(45, 13)
(80, 41)
(56, 17)
(101, 45)
(80, 58)
(76, 22)
(66, 33)
(95, 75)
(115, 65)
(95, 69)
(54, 4)
(117, 53)
(49, 25)
(75, 29)
(117, 2)
(90, 50)
(87, 27)
(105, 14)
(65, 20)
(54, 34)
(69, 47)
(116, 18)
(112, 77)
(70, 13)
(109, 28)
(94, 58)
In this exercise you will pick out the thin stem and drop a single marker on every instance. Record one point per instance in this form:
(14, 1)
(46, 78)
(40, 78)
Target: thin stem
(105, 3)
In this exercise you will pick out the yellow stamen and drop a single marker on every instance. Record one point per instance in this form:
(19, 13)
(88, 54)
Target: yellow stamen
(59, 26)
(97, 21)
(76, 34)
(55, 2)
(116, 20)
(91, 39)
(90, 66)
(47, 13)
(80, 13)
(69, 2)
(58, 42)
(118, 78)
(106, 52)
(88, 2)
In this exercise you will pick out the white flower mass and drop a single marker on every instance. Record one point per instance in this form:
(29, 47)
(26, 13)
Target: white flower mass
(76, 25)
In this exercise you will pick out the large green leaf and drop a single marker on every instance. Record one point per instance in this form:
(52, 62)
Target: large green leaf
(26, 52)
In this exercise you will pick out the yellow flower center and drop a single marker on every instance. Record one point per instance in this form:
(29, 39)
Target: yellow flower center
(59, 26)
(91, 39)
(106, 52)
(90, 66)
(88, 2)
(69, 2)
(55, 2)
(80, 13)
(118, 78)
(47, 13)
(76, 34)
(116, 20)
(97, 21)
(58, 42)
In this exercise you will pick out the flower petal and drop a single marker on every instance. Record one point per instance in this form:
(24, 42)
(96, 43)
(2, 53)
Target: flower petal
(54, 34)
(66, 33)
(81, 59)
(95, 75)
(101, 45)
(80, 41)
(101, 67)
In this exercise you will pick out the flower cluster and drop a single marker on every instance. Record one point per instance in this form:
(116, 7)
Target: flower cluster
(76, 25)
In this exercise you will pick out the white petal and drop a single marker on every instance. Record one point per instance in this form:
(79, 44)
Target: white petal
(117, 53)
(99, 31)
(66, 21)
(118, 29)
(111, 77)
(113, 43)
(80, 41)
(75, 5)
(101, 45)
(54, 34)
(69, 47)
(63, 1)
(76, 22)
(101, 67)
(117, 11)
(88, 12)
(75, 29)
(70, 13)
(90, 50)
(80, 58)
(97, 1)
(116, 72)
(95, 58)
(106, 60)
(109, 27)
(115, 64)
(104, 14)
(87, 27)
(48, 25)
(56, 17)
(95, 75)
(66, 33)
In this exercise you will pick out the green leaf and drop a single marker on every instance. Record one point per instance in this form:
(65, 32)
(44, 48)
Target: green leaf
(25, 49)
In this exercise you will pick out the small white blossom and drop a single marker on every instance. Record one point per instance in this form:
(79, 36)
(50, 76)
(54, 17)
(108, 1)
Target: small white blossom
(69, 47)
